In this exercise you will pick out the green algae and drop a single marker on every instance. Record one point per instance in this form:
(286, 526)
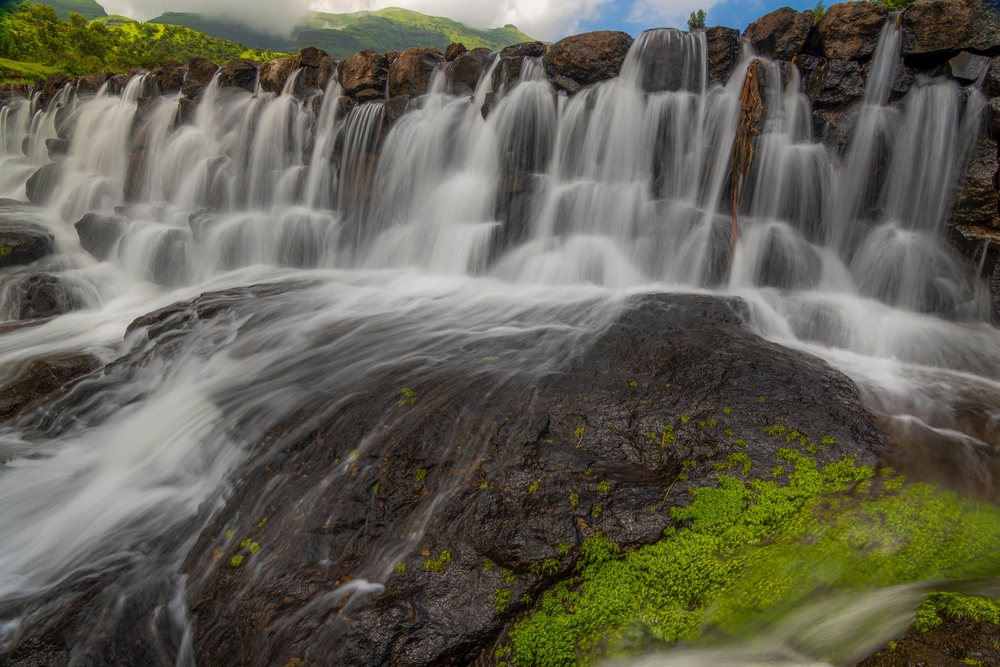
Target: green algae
(746, 553)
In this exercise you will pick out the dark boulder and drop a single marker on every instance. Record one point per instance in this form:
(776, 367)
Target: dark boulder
(463, 73)
(42, 184)
(411, 72)
(935, 30)
(47, 377)
(588, 58)
(274, 73)
(723, 53)
(955, 643)
(977, 197)
(782, 33)
(239, 73)
(22, 242)
(833, 84)
(524, 50)
(848, 31)
(967, 67)
(199, 75)
(365, 70)
(453, 51)
(566, 84)
(312, 57)
(325, 71)
(135, 177)
(57, 148)
(169, 77)
(99, 234)
(53, 83)
(45, 295)
(185, 111)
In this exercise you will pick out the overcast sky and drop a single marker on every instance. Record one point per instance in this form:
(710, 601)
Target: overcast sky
(548, 20)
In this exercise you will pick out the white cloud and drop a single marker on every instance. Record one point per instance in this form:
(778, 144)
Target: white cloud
(542, 19)
(668, 13)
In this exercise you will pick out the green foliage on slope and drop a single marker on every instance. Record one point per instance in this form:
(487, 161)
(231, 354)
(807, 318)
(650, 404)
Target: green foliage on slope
(89, 9)
(341, 35)
(36, 36)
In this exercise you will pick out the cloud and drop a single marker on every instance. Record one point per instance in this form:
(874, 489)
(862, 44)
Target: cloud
(668, 13)
(267, 16)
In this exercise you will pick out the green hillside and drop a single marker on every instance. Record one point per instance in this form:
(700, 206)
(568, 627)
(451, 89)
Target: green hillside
(341, 35)
(89, 9)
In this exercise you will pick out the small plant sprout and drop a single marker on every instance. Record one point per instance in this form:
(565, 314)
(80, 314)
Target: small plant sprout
(507, 576)
(828, 441)
(778, 472)
(407, 396)
(579, 434)
(262, 522)
(604, 487)
(740, 444)
(712, 422)
(254, 548)
(727, 410)
(400, 568)
(589, 471)
(720, 466)
(484, 485)
(651, 436)
(245, 543)
(487, 565)
(596, 512)
(502, 600)
(564, 550)
(632, 383)
(526, 599)
(729, 432)
(574, 499)
(436, 565)
(420, 475)
(229, 534)
(236, 561)
(533, 487)
(682, 477)
(812, 449)
(702, 424)
(550, 567)
(685, 419)
(761, 399)
(892, 646)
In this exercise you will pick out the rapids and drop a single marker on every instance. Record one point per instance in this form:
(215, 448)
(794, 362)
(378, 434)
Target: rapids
(449, 230)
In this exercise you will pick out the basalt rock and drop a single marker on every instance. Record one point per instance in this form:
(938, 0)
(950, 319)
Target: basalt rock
(411, 72)
(169, 77)
(782, 33)
(977, 197)
(22, 242)
(364, 71)
(848, 31)
(525, 50)
(99, 234)
(57, 148)
(45, 295)
(464, 72)
(453, 51)
(588, 58)
(832, 84)
(936, 30)
(199, 75)
(240, 73)
(955, 643)
(185, 111)
(42, 184)
(325, 71)
(43, 378)
(274, 74)
(312, 57)
(967, 67)
(53, 83)
(723, 53)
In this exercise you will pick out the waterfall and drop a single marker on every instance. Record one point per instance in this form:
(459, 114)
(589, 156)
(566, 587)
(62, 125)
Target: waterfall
(516, 211)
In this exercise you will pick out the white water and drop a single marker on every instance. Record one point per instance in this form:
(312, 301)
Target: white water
(412, 242)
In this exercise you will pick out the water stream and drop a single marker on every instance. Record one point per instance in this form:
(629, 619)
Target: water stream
(449, 230)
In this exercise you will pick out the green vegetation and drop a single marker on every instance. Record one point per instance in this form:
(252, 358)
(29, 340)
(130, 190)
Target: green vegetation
(744, 553)
(697, 20)
(89, 9)
(39, 44)
(819, 10)
(437, 564)
(953, 605)
(342, 35)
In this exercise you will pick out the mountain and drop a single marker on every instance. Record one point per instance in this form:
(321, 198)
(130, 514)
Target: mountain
(342, 35)
(89, 9)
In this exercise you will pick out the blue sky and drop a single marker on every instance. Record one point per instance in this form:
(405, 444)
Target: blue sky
(734, 14)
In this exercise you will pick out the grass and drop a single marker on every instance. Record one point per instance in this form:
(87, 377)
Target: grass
(14, 71)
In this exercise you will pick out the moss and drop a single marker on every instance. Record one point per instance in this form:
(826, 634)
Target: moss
(437, 564)
(400, 568)
(953, 605)
(574, 499)
(502, 599)
(236, 561)
(421, 474)
(564, 550)
(487, 565)
(604, 487)
(745, 553)
(507, 576)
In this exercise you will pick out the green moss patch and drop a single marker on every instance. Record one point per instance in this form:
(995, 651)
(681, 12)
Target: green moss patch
(953, 605)
(744, 554)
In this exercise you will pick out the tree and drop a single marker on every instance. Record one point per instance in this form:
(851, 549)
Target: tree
(697, 20)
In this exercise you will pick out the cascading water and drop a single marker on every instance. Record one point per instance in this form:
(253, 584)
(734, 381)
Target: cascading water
(444, 229)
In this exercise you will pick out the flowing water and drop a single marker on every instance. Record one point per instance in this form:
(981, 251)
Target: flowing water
(449, 230)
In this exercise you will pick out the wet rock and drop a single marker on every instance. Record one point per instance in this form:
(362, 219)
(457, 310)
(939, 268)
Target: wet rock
(116, 84)
(567, 84)
(239, 73)
(65, 122)
(365, 70)
(42, 183)
(832, 84)
(524, 50)
(47, 377)
(312, 57)
(848, 31)
(507, 73)
(135, 177)
(464, 72)
(274, 74)
(169, 77)
(723, 53)
(936, 30)
(53, 83)
(185, 111)
(325, 71)
(967, 67)
(957, 642)
(588, 58)
(977, 197)
(411, 72)
(512, 495)
(22, 242)
(99, 234)
(394, 109)
(782, 33)
(45, 295)
(453, 51)
(200, 73)
(57, 148)
(369, 95)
